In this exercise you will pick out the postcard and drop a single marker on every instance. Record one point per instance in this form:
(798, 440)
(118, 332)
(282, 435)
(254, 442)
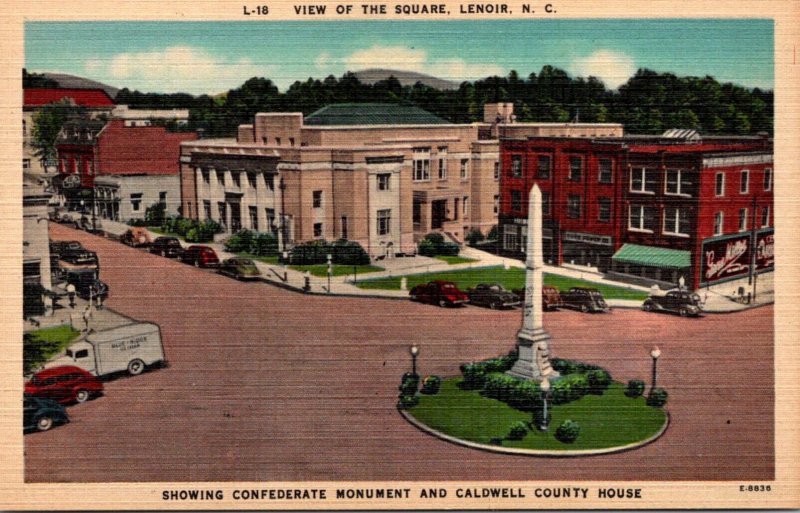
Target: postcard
(401, 255)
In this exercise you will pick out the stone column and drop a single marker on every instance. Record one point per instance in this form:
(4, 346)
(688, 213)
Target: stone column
(533, 340)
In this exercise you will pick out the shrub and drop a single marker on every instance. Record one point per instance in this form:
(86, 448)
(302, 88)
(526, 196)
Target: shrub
(409, 384)
(426, 248)
(311, 252)
(155, 214)
(635, 388)
(520, 394)
(137, 222)
(407, 401)
(493, 233)
(657, 398)
(569, 388)
(239, 242)
(568, 431)
(264, 244)
(434, 244)
(474, 237)
(431, 384)
(474, 376)
(517, 431)
(572, 367)
(599, 380)
(435, 238)
(347, 252)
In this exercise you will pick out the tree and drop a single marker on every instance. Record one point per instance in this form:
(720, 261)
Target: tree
(35, 80)
(47, 124)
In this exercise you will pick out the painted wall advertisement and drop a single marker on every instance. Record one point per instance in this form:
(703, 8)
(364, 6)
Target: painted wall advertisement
(731, 257)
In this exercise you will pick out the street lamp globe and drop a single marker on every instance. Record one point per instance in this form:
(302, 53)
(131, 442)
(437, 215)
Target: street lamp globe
(655, 352)
(414, 350)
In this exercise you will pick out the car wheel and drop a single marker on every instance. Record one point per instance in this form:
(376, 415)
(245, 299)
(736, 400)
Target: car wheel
(413, 298)
(493, 305)
(584, 308)
(684, 312)
(442, 303)
(44, 423)
(163, 253)
(647, 307)
(82, 396)
(135, 367)
(197, 263)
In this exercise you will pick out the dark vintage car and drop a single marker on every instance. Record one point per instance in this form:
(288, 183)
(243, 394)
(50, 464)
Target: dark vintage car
(86, 283)
(41, 414)
(65, 384)
(240, 268)
(136, 238)
(169, 247)
(551, 299)
(681, 302)
(200, 256)
(72, 252)
(492, 295)
(438, 292)
(584, 299)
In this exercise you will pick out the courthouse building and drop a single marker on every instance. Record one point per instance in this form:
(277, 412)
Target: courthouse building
(648, 209)
(383, 175)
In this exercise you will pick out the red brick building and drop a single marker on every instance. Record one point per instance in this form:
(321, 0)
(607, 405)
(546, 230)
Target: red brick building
(646, 209)
(125, 168)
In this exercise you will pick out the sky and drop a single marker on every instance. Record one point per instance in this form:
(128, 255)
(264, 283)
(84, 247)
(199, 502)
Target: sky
(213, 57)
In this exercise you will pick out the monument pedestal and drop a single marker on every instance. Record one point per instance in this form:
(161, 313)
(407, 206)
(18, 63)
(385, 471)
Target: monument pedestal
(533, 362)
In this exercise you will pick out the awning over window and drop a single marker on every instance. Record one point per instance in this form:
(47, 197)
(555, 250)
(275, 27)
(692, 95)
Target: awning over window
(652, 256)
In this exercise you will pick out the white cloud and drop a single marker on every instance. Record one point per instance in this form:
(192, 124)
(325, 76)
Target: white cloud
(613, 68)
(176, 69)
(407, 59)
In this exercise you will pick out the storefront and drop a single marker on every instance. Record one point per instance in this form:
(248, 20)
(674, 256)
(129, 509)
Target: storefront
(652, 265)
(587, 249)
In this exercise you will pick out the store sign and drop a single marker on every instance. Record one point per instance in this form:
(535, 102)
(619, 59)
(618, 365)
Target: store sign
(588, 238)
(731, 257)
(71, 182)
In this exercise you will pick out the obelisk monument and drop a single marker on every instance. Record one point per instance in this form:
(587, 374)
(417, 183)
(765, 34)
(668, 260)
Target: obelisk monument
(533, 342)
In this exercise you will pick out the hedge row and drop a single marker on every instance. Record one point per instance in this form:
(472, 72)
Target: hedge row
(475, 373)
(343, 252)
(434, 244)
(255, 243)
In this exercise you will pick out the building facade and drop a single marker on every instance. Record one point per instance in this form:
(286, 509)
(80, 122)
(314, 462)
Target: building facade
(645, 209)
(381, 175)
(36, 278)
(120, 170)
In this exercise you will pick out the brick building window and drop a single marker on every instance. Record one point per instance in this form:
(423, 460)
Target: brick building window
(744, 184)
(251, 180)
(516, 166)
(516, 201)
(221, 178)
(344, 227)
(253, 211)
(136, 202)
(543, 167)
(643, 180)
(205, 174)
(605, 171)
(719, 223)
(207, 209)
(767, 179)
(575, 169)
(271, 226)
(223, 212)
(546, 203)
(466, 206)
(676, 221)
(604, 210)
(496, 203)
(384, 221)
(317, 199)
(765, 217)
(574, 206)
(384, 181)
(270, 181)
(720, 185)
(496, 170)
(642, 218)
(422, 164)
(678, 182)
(742, 219)
(443, 163)
(162, 197)
(317, 230)
(464, 169)
(237, 179)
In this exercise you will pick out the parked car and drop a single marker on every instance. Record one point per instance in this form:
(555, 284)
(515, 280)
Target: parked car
(584, 299)
(64, 384)
(240, 268)
(438, 292)
(492, 295)
(86, 283)
(169, 247)
(136, 238)
(73, 252)
(41, 414)
(680, 302)
(551, 298)
(200, 256)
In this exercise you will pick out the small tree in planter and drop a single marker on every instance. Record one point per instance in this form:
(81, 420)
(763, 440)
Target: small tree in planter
(635, 388)
(518, 431)
(568, 431)
(657, 398)
(431, 384)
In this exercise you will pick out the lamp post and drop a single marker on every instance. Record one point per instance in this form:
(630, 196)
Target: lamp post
(330, 271)
(654, 353)
(414, 350)
(71, 294)
(544, 386)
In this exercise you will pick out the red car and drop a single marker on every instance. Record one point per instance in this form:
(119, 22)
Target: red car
(437, 292)
(65, 384)
(200, 256)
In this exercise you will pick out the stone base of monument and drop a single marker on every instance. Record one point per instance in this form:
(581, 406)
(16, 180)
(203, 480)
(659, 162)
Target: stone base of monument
(533, 362)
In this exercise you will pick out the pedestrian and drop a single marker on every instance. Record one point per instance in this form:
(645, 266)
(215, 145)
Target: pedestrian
(87, 316)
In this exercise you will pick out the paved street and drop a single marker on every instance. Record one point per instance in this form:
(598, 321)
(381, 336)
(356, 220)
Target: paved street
(266, 384)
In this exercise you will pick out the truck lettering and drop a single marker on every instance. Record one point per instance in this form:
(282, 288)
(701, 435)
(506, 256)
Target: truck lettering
(130, 344)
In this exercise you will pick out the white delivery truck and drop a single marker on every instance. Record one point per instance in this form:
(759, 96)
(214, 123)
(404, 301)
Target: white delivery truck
(131, 347)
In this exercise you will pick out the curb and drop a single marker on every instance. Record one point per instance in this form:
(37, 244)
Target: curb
(535, 452)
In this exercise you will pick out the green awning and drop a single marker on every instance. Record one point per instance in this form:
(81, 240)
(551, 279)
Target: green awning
(652, 256)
